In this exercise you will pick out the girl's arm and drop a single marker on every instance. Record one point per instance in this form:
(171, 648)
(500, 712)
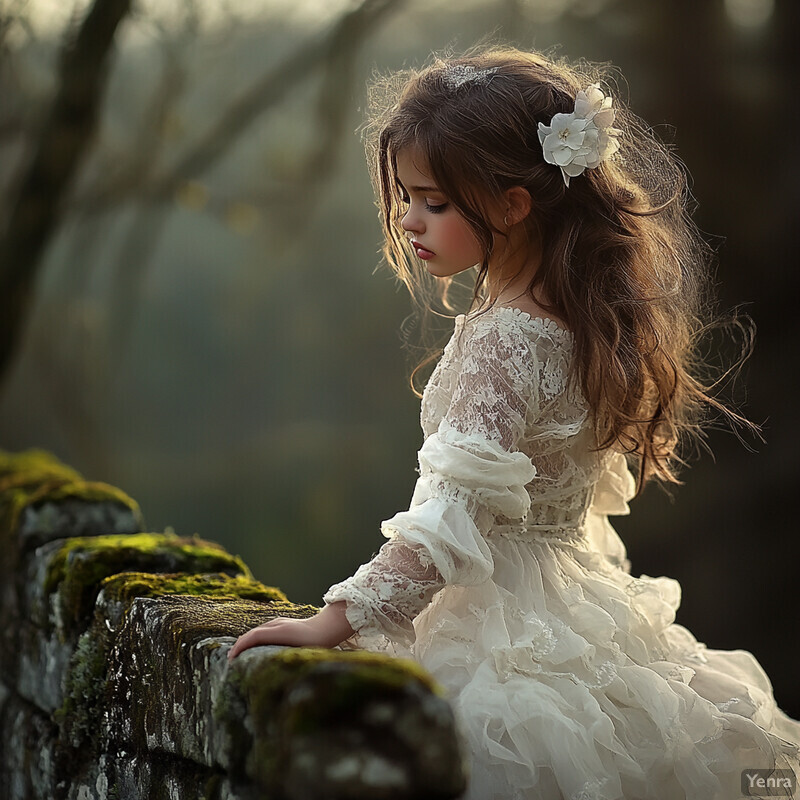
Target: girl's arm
(399, 571)
(325, 629)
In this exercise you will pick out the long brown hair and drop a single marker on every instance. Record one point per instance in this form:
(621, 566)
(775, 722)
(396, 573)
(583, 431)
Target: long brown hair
(622, 263)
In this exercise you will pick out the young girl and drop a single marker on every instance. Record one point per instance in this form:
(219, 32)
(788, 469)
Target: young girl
(504, 578)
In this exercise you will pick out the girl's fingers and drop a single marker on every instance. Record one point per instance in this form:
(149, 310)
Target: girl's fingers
(267, 633)
(245, 641)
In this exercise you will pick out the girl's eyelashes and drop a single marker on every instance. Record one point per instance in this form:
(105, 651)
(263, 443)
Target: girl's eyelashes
(433, 208)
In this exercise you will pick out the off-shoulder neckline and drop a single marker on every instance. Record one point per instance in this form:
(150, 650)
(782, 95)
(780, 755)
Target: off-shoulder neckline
(545, 324)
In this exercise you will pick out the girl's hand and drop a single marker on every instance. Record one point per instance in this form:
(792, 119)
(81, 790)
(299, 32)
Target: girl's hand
(325, 629)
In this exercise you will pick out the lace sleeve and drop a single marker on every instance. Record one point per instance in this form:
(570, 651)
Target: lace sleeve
(387, 593)
(471, 471)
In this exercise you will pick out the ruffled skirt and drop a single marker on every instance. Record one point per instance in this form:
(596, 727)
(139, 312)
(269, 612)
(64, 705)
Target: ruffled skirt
(570, 679)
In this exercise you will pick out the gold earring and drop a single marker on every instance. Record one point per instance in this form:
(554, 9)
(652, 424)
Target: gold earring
(505, 220)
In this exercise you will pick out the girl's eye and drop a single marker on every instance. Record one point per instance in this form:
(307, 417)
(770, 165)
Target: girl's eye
(433, 208)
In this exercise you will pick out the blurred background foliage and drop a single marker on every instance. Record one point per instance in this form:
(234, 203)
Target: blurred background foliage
(207, 329)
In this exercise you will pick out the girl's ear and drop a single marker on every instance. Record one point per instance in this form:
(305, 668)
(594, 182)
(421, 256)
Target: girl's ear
(518, 204)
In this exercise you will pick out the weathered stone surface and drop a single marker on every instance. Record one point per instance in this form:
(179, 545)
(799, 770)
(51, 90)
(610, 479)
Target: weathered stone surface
(64, 577)
(358, 724)
(30, 756)
(42, 500)
(89, 676)
(116, 683)
(127, 776)
(42, 661)
(167, 671)
(357, 719)
(28, 753)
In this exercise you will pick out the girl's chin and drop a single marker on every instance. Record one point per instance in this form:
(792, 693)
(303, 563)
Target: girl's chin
(441, 271)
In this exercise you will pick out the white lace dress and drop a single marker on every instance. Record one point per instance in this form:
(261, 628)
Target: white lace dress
(504, 579)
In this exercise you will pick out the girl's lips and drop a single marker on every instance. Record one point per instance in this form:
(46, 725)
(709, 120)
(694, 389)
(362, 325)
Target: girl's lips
(422, 252)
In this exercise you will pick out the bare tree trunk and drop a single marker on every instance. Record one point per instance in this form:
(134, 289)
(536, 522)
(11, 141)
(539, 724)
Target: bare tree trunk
(57, 155)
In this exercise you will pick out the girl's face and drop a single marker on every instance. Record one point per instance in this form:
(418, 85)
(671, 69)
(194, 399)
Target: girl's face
(441, 237)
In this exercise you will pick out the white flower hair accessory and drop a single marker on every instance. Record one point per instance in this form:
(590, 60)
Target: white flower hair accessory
(459, 74)
(581, 140)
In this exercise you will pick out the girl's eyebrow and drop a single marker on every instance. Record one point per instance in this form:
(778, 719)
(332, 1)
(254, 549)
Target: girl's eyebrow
(420, 189)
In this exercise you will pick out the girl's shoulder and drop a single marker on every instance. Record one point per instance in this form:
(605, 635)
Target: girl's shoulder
(509, 324)
(530, 349)
(530, 354)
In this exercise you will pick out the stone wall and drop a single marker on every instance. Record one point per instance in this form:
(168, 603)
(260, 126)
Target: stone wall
(114, 680)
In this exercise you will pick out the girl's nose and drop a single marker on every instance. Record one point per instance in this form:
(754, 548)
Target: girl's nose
(410, 222)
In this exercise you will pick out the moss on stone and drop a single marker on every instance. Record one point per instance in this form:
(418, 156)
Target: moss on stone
(23, 474)
(84, 686)
(274, 675)
(93, 492)
(301, 691)
(129, 585)
(34, 476)
(189, 619)
(79, 567)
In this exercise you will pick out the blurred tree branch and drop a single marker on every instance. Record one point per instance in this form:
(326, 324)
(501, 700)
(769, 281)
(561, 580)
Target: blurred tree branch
(57, 154)
(332, 47)
(334, 51)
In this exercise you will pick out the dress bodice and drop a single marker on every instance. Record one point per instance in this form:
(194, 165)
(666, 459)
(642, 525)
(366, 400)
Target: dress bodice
(544, 416)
